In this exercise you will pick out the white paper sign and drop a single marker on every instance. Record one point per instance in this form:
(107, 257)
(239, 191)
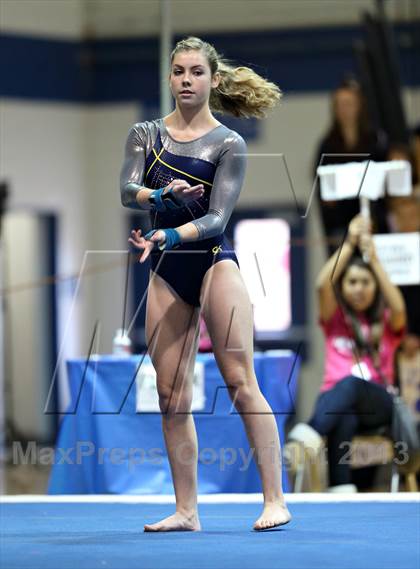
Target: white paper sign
(147, 399)
(399, 178)
(345, 181)
(341, 181)
(399, 254)
(373, 186)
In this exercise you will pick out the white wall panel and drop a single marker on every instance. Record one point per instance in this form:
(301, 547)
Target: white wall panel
(141, 17)
(46, 18)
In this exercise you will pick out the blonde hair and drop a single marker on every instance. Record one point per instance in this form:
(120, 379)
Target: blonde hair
(241, 92)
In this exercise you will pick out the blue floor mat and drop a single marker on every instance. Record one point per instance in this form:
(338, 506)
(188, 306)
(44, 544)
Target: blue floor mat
(346, 535)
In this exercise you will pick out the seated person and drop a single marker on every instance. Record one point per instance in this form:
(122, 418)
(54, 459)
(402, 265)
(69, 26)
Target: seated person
(363, 318)
(404, 217)
(404, 211)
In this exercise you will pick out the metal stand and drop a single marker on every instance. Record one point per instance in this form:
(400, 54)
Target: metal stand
(165, 50)
(2, 382)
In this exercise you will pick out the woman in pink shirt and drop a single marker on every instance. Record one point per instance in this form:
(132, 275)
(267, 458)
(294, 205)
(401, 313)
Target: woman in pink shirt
(363, 317)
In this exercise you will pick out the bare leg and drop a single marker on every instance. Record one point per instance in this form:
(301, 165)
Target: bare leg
(228, 314)
(172, 337)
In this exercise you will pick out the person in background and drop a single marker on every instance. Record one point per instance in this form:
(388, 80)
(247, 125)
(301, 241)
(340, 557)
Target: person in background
(404, 211)
(349, 136)
(416, 150)
(404, 217)
(363, 317)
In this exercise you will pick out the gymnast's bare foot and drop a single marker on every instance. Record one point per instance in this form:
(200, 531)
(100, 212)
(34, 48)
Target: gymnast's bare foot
(176, 522)
(274, 515)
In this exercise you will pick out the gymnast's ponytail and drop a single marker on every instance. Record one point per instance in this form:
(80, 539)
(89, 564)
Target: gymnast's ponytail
(241, 92)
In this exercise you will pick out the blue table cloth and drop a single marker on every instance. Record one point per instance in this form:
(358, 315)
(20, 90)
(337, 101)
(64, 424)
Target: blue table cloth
(105, 446)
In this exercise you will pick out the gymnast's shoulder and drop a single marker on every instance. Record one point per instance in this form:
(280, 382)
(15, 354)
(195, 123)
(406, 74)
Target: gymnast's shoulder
(232, 140)
(144, 130)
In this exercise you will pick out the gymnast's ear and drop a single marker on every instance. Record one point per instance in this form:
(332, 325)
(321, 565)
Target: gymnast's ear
(215, 80)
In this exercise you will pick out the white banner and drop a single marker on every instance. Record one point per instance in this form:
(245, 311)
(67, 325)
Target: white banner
(345, 181)
(399, 254)
(147, 399)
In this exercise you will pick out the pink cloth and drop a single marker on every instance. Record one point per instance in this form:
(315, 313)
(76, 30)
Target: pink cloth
(205, 344)
(340, 357)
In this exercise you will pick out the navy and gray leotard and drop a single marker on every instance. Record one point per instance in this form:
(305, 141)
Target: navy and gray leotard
(218, 161)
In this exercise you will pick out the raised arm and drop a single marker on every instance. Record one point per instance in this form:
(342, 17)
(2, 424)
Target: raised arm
(334, 267)
(391, 293)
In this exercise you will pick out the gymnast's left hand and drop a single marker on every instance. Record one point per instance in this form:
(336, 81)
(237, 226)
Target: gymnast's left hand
(147, 245)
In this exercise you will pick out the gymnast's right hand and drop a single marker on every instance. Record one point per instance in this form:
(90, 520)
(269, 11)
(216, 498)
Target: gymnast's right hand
(183, 192)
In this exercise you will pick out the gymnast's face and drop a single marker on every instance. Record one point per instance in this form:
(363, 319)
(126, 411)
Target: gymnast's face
(358, 288)
(190, 79)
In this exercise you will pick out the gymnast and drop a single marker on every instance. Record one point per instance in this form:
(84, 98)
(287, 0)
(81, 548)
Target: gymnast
(187, 169)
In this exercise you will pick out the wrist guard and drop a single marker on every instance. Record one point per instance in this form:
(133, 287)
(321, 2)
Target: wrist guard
(173, 238)
(164, 201)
